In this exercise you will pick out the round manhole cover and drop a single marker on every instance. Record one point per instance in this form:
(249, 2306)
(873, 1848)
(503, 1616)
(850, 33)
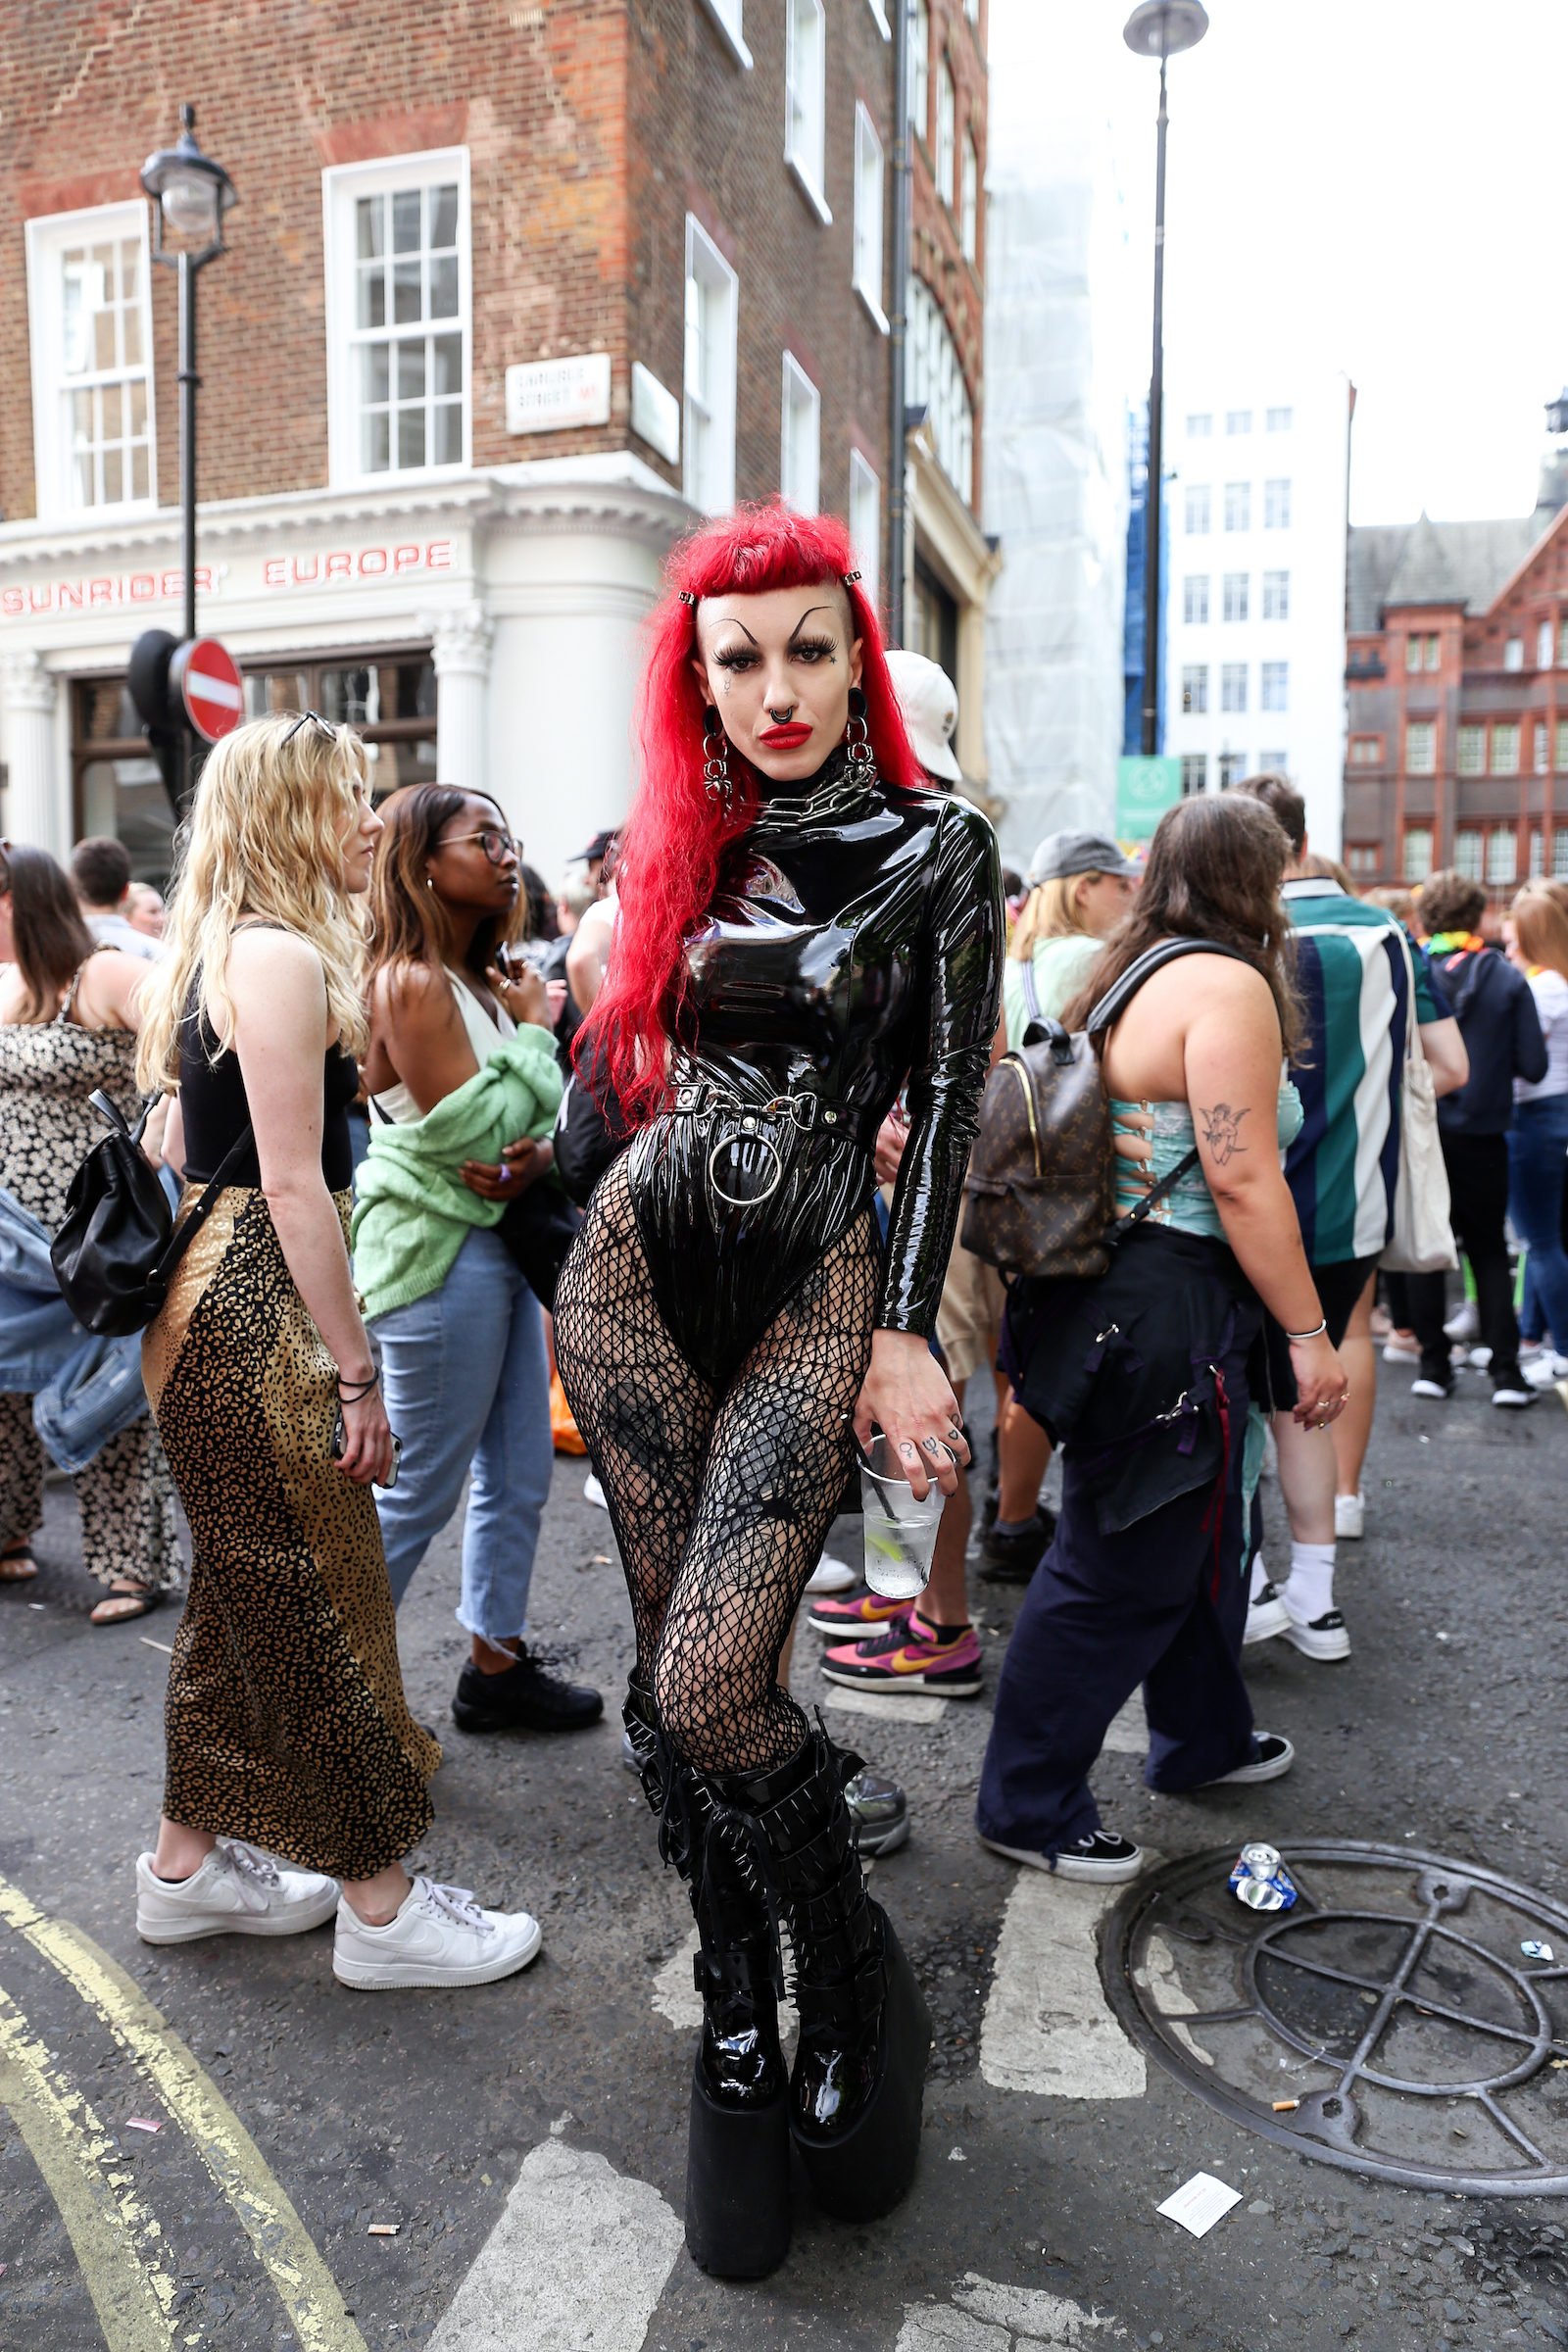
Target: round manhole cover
(1393, 2004)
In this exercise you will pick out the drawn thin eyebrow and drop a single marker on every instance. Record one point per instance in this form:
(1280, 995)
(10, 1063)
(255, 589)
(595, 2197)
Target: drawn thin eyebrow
(732, 618)
(805, 616)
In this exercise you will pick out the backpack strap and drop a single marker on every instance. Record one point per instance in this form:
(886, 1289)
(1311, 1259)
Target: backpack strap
(1116, 999)
(1031, 994)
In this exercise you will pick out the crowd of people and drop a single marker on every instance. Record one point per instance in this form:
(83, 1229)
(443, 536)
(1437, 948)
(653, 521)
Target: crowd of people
(690, 1139)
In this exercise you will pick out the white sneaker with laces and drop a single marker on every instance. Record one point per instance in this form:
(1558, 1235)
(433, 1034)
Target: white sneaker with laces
(1324, 1638)
(1465, 1322)
(236, 1891)
(831, 1576)
(439, 1936)
(1350, 1517)
(1546, 1369)
(1400, 1351)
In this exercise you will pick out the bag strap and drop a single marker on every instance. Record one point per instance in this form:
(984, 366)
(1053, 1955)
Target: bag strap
(1414, 1049)
(1154, 1197)
(111, 1115)
(1113, 1004)
(1031, 994)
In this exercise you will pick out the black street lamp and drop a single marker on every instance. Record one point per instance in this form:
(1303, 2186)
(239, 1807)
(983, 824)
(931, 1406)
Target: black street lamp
(1159, 28)
(192, 193)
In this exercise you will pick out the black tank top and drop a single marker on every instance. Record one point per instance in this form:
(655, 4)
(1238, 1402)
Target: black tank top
(212, 1095)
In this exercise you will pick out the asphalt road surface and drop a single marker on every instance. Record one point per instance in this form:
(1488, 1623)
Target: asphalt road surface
(527, 2138)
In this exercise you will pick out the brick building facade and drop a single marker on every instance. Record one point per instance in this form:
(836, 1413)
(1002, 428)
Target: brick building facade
(950, 564)
(512, 293)
(1457, 675)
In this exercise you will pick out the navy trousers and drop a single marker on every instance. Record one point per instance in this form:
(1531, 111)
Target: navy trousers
(1103, 1614)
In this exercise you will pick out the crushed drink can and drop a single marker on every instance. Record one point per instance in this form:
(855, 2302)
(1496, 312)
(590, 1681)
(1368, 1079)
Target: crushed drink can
(1260, 1880)
(1536, 1951)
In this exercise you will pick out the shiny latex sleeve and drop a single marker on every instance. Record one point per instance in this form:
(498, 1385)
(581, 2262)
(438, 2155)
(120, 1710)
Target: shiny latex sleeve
(965, 941)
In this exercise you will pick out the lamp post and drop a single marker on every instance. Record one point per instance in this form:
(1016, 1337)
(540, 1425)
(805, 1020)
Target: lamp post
(1159, 28)
(192, 193)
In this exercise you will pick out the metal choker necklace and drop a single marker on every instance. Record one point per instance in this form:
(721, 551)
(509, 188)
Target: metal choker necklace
(836, 793)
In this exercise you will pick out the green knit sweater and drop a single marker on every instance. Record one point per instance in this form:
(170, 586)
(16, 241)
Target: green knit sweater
(412, 1207)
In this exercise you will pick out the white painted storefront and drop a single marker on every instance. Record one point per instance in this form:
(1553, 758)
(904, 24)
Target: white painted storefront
(525, 585)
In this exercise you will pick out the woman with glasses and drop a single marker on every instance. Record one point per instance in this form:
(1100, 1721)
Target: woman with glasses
(69, 1013)
(286, 1723)
(461, 1335)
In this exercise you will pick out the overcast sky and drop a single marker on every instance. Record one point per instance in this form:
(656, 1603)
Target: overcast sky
(1378, 185)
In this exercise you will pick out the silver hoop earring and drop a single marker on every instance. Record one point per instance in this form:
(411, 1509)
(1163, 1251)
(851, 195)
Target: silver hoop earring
(717, 781)
(860, 766)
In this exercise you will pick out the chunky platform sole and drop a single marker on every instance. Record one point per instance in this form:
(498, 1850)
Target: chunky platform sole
(737, 2185)
(862, 2176)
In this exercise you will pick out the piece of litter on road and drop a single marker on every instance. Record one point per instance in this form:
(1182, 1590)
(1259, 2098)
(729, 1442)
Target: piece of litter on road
(1536, 1951)
(1200, 2203)
(139, 2123)
(1424, 1439)
(1286, 2106)
(384, 2228)
(956, 2156)
(148, 1642)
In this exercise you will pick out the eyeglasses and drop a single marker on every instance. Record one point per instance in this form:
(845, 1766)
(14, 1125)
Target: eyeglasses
(314, 719)
(498, 847)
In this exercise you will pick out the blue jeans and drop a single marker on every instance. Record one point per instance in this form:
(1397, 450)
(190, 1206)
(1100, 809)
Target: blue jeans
(1538, 1164)
(466, 1381)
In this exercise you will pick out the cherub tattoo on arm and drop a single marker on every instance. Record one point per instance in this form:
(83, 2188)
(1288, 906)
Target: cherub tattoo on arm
(1221, 1132)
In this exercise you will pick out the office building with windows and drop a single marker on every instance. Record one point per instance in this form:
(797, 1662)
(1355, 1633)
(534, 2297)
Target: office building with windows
(1255, 609)
(1457, 691)
(512, 297)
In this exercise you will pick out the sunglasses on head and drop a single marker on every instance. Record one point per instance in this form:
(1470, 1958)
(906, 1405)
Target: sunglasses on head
(312, 718)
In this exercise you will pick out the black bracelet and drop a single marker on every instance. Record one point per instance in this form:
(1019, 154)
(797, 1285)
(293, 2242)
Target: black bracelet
(357, 1388)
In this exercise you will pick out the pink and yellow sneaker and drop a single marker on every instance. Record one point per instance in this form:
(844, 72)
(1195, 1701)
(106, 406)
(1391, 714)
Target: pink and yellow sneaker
(909, 1655)
(850, 1616)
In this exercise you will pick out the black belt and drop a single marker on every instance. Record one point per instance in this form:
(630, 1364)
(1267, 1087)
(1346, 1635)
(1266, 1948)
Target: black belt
(805, 1112)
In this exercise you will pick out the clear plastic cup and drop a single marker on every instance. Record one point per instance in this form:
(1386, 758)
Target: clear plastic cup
(901, 1534)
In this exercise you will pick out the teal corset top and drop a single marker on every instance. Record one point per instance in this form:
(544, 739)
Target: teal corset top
(1151, 1138)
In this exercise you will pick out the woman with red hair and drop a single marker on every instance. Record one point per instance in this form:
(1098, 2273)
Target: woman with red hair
(804, 927)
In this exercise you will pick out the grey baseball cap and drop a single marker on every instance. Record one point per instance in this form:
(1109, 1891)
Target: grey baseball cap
(1061, 855)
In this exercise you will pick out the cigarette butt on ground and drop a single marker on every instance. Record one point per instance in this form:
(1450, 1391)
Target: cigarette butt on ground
(384, 2228)
(1286, 2106)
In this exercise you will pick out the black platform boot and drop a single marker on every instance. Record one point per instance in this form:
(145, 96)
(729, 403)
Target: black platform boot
(858, 2079)
(738, 2143)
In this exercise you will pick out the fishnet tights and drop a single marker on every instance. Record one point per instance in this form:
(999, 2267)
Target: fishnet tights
(720, 1502)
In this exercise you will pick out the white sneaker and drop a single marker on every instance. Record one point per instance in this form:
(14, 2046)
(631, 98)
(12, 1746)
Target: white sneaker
(1543, 1371)
(439, 1936)
(1324, 1639)
(1350, 1517)
(236, 1891)
(594, 1493)
(1400, 1351)
(832, 1576)
(1465, 1322)
(1266, 1616)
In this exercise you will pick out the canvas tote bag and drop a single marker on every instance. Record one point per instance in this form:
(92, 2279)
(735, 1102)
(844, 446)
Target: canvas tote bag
(1422, 1241)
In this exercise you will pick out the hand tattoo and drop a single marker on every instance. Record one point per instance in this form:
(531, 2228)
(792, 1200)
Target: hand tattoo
(1221, 1132)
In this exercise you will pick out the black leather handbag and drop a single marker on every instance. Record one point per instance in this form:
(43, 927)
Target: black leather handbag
(538, 1228)
(116, 1253)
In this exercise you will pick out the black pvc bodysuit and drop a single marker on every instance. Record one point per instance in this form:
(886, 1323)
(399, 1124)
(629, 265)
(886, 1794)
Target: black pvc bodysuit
(836, 962)
(714, 1318)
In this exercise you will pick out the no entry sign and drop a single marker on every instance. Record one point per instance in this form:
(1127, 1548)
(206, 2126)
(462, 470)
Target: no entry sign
(207, 679)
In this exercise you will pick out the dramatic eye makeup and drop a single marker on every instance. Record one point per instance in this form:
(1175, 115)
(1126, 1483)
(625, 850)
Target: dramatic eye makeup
(814, 648)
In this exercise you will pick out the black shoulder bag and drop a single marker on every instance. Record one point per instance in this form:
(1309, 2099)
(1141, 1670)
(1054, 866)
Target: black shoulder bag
(116, 1253)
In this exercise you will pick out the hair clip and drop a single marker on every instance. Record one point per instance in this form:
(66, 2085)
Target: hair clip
(849, 578)
(687, 598)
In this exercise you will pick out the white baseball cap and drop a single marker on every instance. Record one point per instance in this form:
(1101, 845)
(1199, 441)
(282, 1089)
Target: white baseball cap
(930, 707)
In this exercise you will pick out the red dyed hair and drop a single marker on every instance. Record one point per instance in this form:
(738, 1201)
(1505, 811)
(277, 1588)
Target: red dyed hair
(676, 834)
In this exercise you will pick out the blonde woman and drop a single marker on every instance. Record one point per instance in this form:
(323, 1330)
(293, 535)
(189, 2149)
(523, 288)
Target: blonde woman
(1080, 886)
(286, 1723)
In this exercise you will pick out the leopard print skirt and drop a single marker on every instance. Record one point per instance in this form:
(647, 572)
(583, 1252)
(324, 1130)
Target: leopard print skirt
(285, 1719)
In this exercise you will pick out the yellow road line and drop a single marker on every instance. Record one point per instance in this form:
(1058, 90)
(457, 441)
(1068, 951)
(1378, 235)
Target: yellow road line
(305, 2285)
(106, 2222)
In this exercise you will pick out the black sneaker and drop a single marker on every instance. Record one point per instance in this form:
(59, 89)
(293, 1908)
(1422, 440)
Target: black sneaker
(524, 1699)
(1101, 1858)
(1013, 1559)
(1436, 1379)
(1274, 1755)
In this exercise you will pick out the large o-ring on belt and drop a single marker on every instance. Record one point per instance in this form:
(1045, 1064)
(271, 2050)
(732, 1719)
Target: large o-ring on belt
(753, 1198)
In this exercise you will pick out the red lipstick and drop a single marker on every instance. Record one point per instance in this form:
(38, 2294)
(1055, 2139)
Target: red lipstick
(786, 739)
